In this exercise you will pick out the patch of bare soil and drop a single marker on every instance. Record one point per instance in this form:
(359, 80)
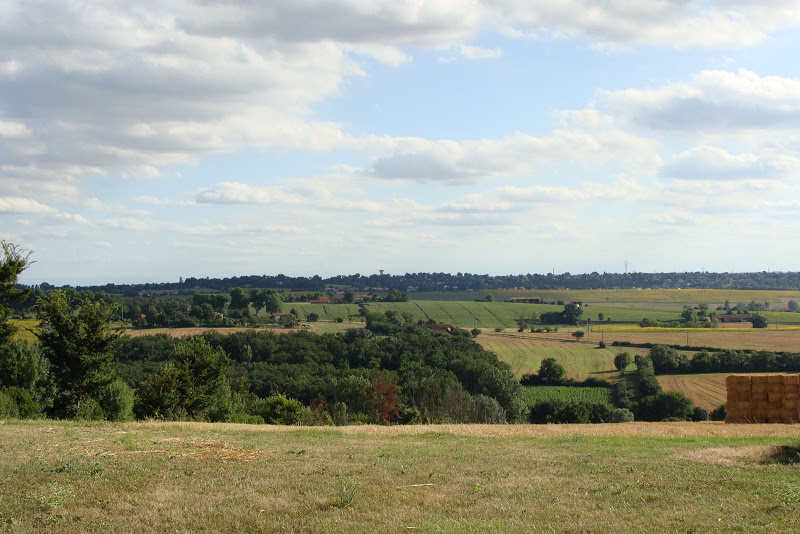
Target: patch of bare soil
(749, 455)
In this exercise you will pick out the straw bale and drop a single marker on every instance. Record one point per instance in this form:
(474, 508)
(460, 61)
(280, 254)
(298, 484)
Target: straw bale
(737, 381)
(791, 379)
(735, 395)
(759, 386)
(775, 379)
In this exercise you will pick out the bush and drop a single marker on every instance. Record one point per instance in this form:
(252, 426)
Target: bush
(620, 415)
(89, 410)
(339, 414)
(26, 406)
(117, 401)
(665, 405)
(487, 410)
(699, 414)
(718, 413)
(8, 407)
(281, 410)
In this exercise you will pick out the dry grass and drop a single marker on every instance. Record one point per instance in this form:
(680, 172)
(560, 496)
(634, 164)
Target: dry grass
(192, 477)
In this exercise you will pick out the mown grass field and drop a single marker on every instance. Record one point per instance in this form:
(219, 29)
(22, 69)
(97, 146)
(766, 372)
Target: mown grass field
(536, 394)
(524, 353)
(62, 477)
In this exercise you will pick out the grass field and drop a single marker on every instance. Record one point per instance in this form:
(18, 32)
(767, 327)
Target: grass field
(524, 353)
(62, 477)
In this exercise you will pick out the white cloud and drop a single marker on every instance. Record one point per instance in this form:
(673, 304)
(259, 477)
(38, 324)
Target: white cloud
(678, 24)
(714, 101)
(477, 52)
(13, 129)
(452, 162)
(21, 205)
(713, 163)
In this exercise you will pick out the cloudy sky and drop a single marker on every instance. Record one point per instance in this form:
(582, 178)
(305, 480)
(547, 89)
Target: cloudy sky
(144, 141)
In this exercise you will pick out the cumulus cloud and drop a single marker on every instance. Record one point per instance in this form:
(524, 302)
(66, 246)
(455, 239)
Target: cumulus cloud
(679, 24)
(713, 163)
(21, 205)
(453, 162)
(714, 101)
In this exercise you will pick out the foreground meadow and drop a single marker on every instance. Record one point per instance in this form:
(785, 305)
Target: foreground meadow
(189, 477)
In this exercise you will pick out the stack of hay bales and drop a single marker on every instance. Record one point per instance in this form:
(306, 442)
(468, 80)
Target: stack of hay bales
(738, 408)
(763, 399)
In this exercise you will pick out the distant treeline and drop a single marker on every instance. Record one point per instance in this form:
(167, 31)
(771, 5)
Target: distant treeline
(475, 282)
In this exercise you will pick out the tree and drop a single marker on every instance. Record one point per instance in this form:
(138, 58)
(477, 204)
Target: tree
(194, 387)
(759, 321)
(622, 361)
(258, 299)
(14, 260)
(239, 299)
(551, 372)
(792, 305)
(572, 313)
(666, 359)
(578, 334)
(77, 342)
(349, 296)
(272, 301)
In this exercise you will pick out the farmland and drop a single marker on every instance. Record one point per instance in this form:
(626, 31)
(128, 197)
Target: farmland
(525, 352)
(706, 390)
(65, 477)
(535, 394)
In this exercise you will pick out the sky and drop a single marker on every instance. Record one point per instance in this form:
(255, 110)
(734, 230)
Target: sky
(147, 141)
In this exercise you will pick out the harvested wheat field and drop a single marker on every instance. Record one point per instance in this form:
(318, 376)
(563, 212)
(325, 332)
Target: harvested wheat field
(192, 477)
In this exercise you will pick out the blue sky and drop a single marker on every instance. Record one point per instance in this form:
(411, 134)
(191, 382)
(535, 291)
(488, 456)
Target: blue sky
(148, 141)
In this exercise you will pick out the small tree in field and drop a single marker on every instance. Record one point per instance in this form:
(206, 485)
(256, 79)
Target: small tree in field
(578, 334)
(551, 372)
(622, 360)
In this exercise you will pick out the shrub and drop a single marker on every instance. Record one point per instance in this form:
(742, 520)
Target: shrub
(699, 414)
(339, 414)
(8, 407)
(89, 410)
(718, 413)
(620, 415)
(487, 410)
(117, 401)
(281, 410)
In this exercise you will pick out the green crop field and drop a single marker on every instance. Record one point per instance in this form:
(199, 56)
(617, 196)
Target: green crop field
(65, 477)
(537, 394)
(524, 354)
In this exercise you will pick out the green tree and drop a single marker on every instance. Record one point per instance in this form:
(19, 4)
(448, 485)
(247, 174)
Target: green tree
(551, 372)
(792, 305)
(349, 296)
(14, 260)
(194, 387)
(77, 342)
(622, 360)
(258, 299)
(759, 321)
(578, 334)
(272, 301)
(239, 299)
